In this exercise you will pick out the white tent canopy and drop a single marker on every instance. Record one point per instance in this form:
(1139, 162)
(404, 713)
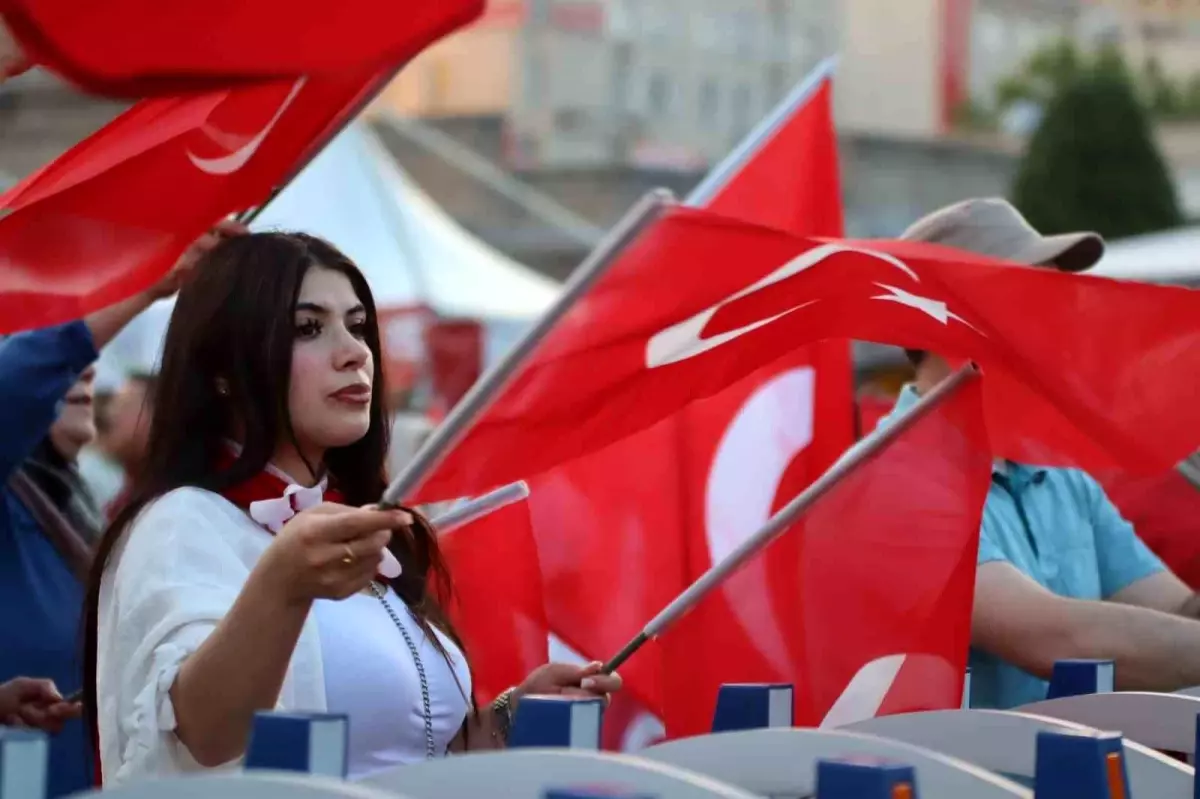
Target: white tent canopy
(1169, 257)
(356, 196)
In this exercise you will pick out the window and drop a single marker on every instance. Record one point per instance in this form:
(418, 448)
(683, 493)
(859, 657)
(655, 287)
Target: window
(620, 20)
(777, 84)
(569, 120)
(745, 32)
(705, 30)
(780, 25)
(741, 109)
(622, 76)
(659, 94)
(708, 102)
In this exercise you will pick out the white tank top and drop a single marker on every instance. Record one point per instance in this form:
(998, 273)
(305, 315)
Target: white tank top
(370, 676)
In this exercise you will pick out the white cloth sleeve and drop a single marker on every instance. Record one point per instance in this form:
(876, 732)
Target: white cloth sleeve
(177, 576)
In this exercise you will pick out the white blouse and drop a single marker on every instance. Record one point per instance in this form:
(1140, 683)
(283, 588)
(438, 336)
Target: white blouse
(173, 576)
(385, 706)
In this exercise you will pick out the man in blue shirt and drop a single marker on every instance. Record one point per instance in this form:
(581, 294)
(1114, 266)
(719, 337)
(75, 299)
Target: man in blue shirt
(1061, 573)
(46, 417)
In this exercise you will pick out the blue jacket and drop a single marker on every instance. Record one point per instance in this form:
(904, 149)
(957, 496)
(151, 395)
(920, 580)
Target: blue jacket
(40, 598)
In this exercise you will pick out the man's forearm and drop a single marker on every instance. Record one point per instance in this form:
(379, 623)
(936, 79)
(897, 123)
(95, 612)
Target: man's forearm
(1152, 650)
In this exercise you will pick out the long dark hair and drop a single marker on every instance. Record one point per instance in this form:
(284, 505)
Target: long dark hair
(233, 326)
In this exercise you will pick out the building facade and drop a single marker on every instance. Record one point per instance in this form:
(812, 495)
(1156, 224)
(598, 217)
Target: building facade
(1165, 30)
(470, 73)
(911, 69)
(657, 83)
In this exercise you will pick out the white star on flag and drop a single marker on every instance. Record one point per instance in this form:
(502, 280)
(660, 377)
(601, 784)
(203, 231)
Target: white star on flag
(934, 308)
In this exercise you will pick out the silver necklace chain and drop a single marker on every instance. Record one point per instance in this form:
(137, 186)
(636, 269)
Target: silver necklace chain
(381, 595)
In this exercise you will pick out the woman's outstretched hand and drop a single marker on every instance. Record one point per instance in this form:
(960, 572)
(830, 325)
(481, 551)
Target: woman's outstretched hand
(569, 680)
(331, 551)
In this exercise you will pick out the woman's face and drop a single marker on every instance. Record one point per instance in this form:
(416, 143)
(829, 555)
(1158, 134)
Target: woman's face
(329, 398)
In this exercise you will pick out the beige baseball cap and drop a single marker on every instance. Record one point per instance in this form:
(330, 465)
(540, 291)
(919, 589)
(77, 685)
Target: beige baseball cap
(992, 226)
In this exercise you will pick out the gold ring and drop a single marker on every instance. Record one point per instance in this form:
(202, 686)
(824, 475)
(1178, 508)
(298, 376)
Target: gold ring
(348, 558)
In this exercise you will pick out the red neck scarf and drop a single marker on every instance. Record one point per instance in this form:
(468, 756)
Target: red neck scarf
(271, 500)
(271, 487)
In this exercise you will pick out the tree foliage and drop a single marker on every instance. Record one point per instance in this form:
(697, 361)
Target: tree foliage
(1093, 163)
(1056, 66)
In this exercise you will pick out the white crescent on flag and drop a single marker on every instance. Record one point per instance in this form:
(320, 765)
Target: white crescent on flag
(683, 340)
(772, 427)
(864, 695)
(228, 164)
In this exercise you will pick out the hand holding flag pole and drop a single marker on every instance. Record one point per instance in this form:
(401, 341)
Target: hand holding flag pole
(865, 449)
(464, 414)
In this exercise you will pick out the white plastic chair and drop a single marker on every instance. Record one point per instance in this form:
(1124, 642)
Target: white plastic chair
(772, 762)
(1005, 741)
(1160, 721)
(528, 773)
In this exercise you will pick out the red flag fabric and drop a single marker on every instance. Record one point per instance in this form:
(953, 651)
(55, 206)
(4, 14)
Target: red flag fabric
(1163, 508)
(642, 487)
(607, 528)
(142, 48)
(792, 182)
(497, 606)
(874, 591)
(748, 451)
(1082, 370)
(618, 530)
(111, 215)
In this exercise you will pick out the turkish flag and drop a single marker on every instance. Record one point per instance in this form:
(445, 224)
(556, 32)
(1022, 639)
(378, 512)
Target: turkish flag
(793, 183)
(661, 497)
(1081, 370)
(111, 215)
(790, 181)
(504, 625)
(864, 604)
(142, 48)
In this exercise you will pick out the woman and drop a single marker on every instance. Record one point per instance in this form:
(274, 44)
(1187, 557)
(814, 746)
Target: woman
(242, 575)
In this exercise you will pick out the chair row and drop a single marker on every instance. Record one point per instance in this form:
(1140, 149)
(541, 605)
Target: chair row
(736, 765)
(1052, 750)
